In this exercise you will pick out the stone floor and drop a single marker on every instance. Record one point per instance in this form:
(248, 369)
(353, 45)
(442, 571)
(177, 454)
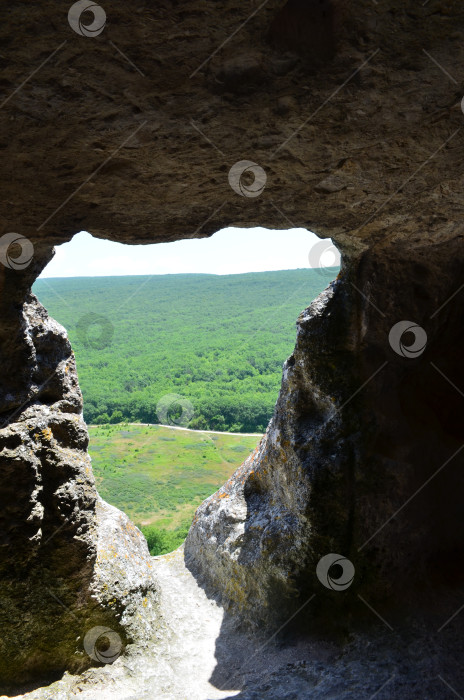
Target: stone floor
(197, 654)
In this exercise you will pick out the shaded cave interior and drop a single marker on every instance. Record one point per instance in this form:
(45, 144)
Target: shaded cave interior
(364, 452)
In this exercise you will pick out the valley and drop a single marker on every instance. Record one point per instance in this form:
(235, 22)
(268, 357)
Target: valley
(203, 352)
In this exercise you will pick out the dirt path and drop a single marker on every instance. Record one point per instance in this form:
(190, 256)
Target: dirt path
(189, 430)
(195, 624)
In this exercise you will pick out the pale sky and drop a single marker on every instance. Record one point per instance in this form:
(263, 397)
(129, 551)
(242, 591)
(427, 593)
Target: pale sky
(230, 251)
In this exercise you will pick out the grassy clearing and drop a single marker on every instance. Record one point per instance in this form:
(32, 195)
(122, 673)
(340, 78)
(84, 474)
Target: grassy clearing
(159, 476)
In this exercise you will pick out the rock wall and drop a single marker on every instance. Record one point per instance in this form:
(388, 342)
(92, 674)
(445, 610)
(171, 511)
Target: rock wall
(351, 114)
(69, 562)
(363, 457)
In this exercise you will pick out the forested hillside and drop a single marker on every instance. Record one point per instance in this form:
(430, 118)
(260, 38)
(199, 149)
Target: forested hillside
(217, 341)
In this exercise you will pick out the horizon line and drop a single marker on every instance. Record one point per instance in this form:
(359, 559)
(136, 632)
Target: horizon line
(175, 274)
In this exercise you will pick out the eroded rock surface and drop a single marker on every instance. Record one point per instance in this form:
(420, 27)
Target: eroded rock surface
(69, 561)
(199, 653)
(131, 135)
(253, 538)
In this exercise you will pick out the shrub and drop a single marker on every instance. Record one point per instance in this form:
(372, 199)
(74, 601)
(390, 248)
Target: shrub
(102, 419)
(161, 541)
(117, 417)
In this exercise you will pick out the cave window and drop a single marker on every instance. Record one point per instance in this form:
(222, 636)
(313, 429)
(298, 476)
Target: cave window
(191, 334)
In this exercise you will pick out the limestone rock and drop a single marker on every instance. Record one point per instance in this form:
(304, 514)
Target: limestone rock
(68, 561)
(254, 538)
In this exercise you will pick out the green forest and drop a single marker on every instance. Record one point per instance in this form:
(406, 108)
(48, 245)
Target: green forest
(190, 349)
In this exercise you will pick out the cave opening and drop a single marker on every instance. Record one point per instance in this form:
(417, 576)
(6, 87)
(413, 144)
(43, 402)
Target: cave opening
(179, 350)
